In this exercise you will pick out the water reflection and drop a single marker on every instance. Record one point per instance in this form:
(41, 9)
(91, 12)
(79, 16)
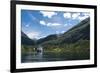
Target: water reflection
(43, 56)
(38, 55)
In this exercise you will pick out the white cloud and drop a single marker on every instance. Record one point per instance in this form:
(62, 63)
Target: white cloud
(27, 25)
(53, 24)
(62, 31)
(85, 15)
(65, 24)
(75, 15)
(49, 24)
(58, 32)
(33, 35)
(48, 14)
(42, 22)
(67, 15)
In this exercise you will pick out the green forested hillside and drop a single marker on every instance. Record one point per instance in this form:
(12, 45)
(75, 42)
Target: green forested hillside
(79, 32)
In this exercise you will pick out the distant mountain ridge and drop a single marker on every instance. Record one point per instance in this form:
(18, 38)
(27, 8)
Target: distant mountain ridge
(80, 31)
(25, 40)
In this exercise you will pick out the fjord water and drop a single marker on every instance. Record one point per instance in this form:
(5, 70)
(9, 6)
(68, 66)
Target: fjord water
(50, 56)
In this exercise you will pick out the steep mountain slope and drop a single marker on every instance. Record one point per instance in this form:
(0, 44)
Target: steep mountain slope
(25, 40)
(48, 38)
(79, 32)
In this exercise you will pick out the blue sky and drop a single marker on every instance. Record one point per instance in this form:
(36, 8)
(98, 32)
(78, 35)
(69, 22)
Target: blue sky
(37, 24)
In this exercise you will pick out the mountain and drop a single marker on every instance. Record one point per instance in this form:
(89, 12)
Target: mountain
(74, 44)
(80, 31)
(23, 34)
(48, 38)
(25, 40)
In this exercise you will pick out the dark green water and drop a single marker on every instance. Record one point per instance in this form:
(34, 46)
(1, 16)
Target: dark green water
(50, 56)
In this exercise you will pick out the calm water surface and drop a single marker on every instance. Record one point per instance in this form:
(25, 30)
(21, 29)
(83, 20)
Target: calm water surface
(47, 56)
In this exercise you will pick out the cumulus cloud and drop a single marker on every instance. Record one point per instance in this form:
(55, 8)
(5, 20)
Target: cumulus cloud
(48, 14)
(75, 15)
(79, 16)
(85, 15)
(33, 35)
(67, 15)
(49, 24)
(42, 22)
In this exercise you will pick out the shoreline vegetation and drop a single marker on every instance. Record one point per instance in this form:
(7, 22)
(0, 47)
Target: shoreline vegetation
(79, 50)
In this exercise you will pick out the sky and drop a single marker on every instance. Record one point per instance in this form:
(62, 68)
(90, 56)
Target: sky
(38, 24)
